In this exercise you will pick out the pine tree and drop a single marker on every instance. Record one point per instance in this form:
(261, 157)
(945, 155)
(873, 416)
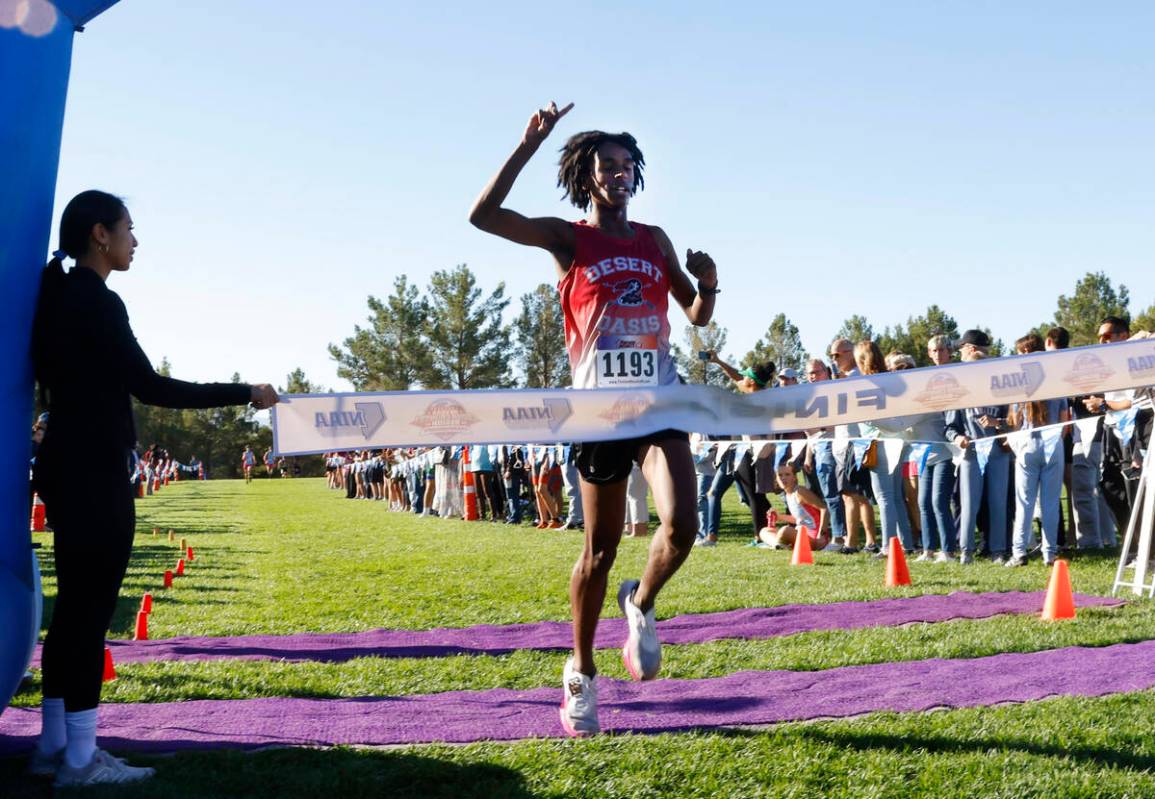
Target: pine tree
(855, 329)
(782, 344)
(540, 333)
(468, 342)
(1094, 298)
(297, 383)
(1144, 320)
(391, 354)
(711, 338)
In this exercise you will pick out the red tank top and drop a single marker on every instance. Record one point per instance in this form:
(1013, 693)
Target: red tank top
(615, 298)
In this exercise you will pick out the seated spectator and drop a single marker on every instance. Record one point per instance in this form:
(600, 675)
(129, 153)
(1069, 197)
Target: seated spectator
(805, 510)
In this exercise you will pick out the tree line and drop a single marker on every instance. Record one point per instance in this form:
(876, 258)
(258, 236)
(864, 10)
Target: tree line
(452, 336)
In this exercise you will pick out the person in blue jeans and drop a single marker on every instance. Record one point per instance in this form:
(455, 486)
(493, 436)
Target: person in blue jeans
(821, 462)
(723, 479)
(513, 474)
(886, 476)
(1039, 460)
(703, 451)
(968, 429)
(935, 488)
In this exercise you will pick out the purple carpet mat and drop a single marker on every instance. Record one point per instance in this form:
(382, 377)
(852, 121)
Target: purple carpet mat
(487, 639)
(751, 697)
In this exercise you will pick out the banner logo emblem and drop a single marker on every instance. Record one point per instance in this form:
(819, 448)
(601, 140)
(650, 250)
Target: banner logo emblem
(550, 415)
(626, 410)
(369, 416)
(941, 391)
(1026, 380)
(446, 419)
(1141, 366)
(1088, 371)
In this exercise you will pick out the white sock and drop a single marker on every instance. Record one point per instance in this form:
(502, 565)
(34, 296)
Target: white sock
(81, 728)
(52, 736)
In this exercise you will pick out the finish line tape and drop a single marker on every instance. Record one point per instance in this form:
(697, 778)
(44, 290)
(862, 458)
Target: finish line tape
(306, 424)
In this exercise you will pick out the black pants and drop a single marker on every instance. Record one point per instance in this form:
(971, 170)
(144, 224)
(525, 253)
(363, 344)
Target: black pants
(93, 532)
(759, 505)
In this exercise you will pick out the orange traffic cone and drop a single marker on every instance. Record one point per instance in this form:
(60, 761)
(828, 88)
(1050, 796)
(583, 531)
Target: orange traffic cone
(183, 544)
(897, 572)
(802, 555)
(38, 514)
(171, 535)
(109, 669)
(179, 568)
(469, 490)
(140, 488)
(168, 578)
(189, 554)
(141, 633)
(156, 531)
(1060, 602)
(146, 603)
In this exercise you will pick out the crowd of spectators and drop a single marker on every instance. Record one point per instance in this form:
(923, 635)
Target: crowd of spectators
(950, 486)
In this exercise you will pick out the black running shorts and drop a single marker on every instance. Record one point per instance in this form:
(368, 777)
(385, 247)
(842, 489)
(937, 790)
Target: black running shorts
(605, 462)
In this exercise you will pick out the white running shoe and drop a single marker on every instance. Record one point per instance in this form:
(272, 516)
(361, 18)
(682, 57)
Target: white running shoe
(943, 557)
(642, 652)
(924, 556)
(103, 769)
(579, 704)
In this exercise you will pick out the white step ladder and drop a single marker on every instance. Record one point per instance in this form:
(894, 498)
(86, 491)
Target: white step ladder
(1143, 518)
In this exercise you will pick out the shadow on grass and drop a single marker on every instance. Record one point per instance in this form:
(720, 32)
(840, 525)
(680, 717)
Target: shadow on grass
(1104, 757)
(290, 773)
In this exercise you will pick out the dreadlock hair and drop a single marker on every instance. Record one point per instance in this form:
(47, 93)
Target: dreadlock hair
(577, 162)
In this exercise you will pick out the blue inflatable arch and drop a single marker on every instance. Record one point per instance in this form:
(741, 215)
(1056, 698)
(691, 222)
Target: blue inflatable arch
(35, 56)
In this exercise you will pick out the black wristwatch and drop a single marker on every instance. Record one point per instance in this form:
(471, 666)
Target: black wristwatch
(704, 291)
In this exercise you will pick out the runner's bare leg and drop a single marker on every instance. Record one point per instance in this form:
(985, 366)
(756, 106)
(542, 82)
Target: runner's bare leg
(669, 468)
(605, 512)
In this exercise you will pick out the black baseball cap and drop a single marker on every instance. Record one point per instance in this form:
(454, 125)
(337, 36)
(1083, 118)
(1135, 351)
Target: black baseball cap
(976, 337)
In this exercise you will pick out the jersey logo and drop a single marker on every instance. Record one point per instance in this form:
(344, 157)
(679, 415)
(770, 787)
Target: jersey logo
(630, 293)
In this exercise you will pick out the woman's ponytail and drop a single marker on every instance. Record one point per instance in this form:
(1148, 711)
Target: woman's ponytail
(53, 275)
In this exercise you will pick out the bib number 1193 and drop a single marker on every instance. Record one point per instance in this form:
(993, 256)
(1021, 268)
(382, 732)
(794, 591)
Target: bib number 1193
(627, 364)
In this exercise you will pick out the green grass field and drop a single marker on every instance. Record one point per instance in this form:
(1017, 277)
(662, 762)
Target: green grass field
(286, 556)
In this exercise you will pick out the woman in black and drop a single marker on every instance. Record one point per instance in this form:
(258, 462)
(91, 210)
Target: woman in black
(88, 364)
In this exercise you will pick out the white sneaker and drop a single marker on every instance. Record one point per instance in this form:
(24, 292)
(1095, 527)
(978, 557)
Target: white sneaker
(943, 557)
(642, 652)
(103, 769)
(924, 556)
(833, 546)
(579, 704)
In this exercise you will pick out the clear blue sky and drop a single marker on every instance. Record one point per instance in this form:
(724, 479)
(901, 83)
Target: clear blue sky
(283, 160)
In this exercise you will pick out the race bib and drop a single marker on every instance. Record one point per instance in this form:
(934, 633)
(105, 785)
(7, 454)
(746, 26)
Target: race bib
(627, 361)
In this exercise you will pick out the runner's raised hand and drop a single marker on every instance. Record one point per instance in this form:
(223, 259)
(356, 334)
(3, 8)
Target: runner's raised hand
(702, 267)
(542, 122)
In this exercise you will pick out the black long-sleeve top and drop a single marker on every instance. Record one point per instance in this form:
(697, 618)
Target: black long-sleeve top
(88, 361)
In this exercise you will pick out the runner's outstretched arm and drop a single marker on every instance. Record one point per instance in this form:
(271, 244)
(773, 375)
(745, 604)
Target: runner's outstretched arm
(488, 214)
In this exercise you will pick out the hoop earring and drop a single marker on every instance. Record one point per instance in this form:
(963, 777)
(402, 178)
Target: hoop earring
(104, 249)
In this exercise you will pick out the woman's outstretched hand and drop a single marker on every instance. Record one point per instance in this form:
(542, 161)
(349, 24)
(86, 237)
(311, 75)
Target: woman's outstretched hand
(264, 396)
(542, 122)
